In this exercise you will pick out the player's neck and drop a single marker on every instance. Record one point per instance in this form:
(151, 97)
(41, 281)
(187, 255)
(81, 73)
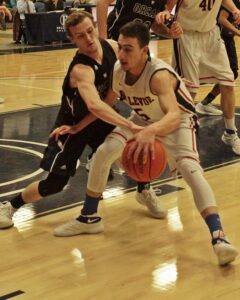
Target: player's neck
(134, 74)
(96, 54)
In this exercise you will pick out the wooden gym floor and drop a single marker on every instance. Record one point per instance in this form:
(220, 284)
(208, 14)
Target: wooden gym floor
(137, 257)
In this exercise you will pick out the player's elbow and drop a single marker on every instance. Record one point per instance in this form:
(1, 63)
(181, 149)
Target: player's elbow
(92, 107)
(176, 120)
(95, 108)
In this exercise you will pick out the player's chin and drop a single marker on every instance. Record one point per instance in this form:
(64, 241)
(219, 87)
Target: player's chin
(124, 66)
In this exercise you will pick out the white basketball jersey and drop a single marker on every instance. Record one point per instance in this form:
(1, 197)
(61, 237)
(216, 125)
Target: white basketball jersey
(198, 15)
(143, 101)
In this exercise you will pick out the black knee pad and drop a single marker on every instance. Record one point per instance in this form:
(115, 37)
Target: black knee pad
(53, 184)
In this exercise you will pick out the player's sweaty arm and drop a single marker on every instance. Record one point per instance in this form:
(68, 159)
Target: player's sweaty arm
(102, 12)
(163, 85)
(95, 105)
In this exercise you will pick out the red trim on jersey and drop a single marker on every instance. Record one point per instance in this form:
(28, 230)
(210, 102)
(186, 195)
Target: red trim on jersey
(194, 140)
(186, 97)
(179, 58)
(119, 134)
(213, 77)
(189, 157)
(184, 109)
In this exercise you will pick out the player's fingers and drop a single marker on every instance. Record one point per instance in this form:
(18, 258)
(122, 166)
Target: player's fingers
(152, 151)
(131, 149)
(52, 134)
(162, 16)
(138, 153)
(145, 153)
(64, 130)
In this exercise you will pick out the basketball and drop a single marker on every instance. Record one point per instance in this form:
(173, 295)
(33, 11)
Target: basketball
(149, 171)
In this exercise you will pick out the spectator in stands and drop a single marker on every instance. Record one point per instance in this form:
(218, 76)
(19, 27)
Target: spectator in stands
(83, 4)
(4, 11)
(52, 5)
(24, 7)
(40, 6)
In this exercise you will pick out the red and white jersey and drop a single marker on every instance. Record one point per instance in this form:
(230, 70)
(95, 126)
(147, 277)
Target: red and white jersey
(141, 99)
(198, 15)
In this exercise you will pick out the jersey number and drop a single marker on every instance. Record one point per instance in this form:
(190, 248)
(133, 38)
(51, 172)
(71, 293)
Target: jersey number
(141, 114)
(206, 4)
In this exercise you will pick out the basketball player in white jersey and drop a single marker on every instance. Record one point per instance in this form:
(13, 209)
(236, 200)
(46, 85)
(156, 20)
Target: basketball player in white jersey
(165, 110)
(200, 55)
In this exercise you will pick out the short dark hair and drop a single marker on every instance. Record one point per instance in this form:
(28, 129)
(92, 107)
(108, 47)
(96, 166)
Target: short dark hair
(136, 29)
(75, 18)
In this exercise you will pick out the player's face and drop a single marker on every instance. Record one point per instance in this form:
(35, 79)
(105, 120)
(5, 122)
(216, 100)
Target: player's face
(130, 55)
(84, 36)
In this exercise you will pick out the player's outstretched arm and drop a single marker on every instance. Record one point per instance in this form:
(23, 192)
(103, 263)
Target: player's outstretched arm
(230, 6)
(102, 12)
(174, 31)
(162, 16)
(93, 101)
(223, 20)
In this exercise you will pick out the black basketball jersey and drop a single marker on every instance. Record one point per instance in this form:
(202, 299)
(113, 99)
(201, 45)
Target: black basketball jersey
(129, 10)
(73, 107)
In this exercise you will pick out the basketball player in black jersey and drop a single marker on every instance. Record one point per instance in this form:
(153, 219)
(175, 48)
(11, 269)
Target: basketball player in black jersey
(89, 75)
(125, 11)
(64, 149)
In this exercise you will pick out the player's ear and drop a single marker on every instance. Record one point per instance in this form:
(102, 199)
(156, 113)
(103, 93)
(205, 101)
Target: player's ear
(146, 49)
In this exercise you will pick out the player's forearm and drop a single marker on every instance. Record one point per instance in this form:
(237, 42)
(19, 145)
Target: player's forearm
(223, 20)
(170, 5)
(104, 112)
(169, 123)
(229, 5)
(230, 26)
(101, 13)
(84, 122)
(160, 29)
(99, 108)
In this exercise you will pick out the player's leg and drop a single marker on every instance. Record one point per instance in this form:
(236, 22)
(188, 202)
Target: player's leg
(203, 107)
(61, 158)
(106, 154)
(230, 136)
(215, 66)
(206, 204)
(185, 159)
(89, 221)
(32, 193)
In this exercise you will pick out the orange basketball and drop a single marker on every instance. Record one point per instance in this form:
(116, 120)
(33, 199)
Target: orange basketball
(149, 171)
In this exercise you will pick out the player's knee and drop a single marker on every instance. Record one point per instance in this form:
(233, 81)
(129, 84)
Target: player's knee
(226, 88)
(52, 184)
(188, 166)
(109, 151)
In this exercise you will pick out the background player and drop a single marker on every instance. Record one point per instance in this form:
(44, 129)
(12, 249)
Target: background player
(125, 11)
(201, 57)
(229, 29)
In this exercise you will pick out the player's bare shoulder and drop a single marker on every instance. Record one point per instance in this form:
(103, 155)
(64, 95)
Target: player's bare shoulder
(160, 80)
(113, 44)
(81, 72)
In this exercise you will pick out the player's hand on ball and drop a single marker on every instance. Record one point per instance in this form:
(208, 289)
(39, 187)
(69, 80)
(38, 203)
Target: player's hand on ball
(144, 144)
(135, 128)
